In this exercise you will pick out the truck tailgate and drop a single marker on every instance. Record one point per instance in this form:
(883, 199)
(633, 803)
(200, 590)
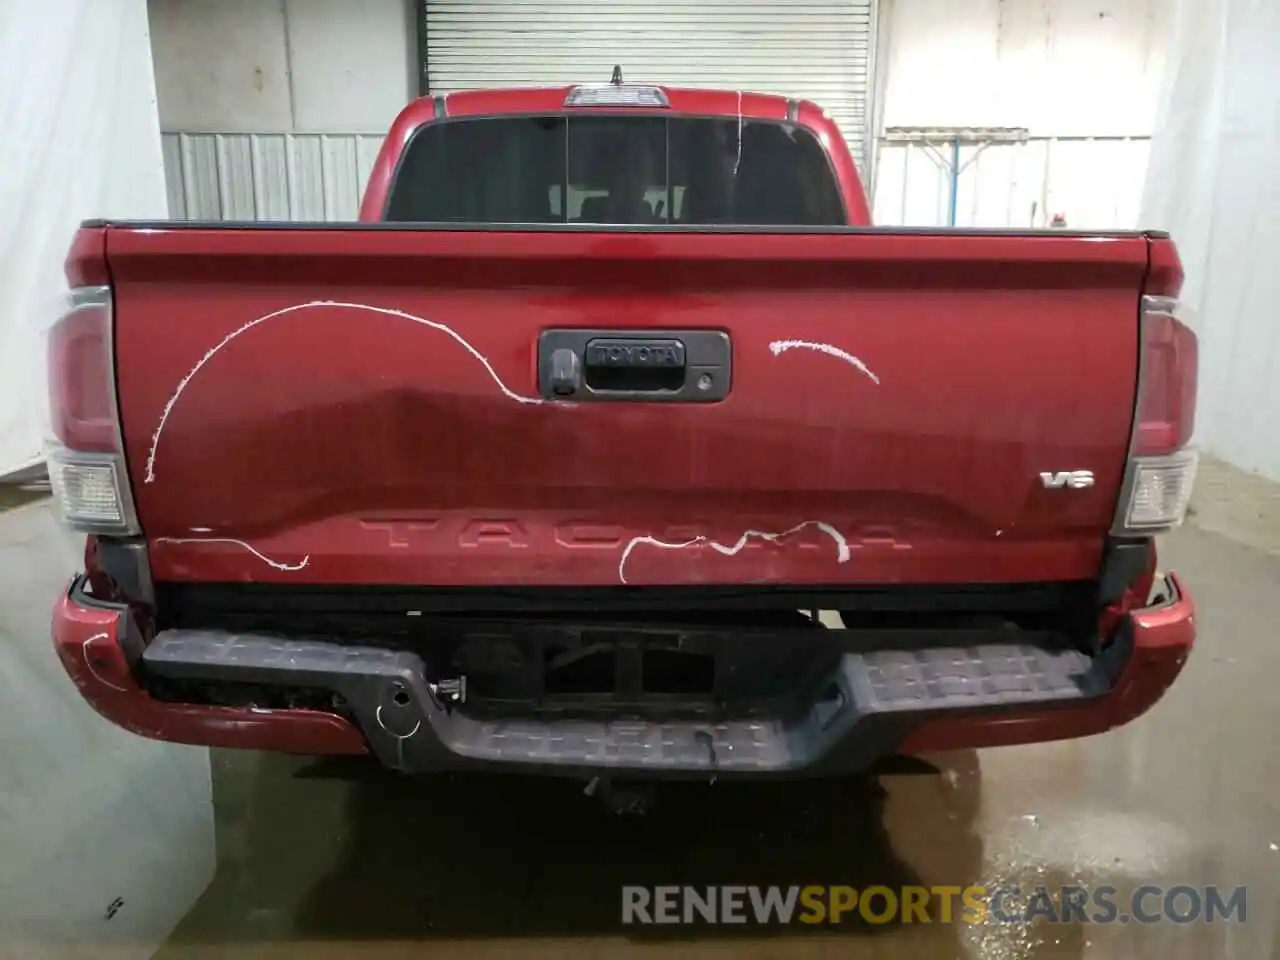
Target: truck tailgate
(336, 405)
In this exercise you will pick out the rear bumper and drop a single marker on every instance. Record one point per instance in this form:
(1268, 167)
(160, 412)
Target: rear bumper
(100, 644)
(869, 705)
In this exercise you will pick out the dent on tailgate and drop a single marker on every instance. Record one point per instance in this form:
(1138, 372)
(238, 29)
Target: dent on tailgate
(315, 405)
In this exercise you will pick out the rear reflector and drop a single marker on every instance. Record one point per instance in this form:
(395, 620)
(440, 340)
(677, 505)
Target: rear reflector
(1159, 492)
(87, 491)
(85, 453)
(616, 95)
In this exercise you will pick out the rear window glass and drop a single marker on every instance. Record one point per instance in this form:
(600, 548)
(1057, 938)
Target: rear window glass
(615, 170)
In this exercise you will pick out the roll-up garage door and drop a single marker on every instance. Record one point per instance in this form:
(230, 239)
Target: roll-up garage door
(818, 50)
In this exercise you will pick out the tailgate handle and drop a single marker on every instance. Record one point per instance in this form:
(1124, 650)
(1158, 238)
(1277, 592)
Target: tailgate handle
(682, 366)
(624, 365)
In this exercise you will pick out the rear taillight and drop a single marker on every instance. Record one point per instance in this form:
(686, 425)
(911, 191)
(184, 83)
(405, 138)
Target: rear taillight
(85, 453)
(1162, 466)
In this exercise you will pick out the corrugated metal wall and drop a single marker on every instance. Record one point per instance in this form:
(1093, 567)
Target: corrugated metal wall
(1096, 182)
(267, 176)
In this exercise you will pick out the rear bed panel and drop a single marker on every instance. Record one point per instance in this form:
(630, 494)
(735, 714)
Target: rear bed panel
(399, 437)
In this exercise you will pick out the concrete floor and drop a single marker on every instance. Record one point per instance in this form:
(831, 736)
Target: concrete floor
(106, 839)
(317, 867)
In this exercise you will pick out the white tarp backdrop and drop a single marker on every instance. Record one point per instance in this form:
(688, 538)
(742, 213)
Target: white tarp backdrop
(106, 839)
(1212, 182)
(81, 139)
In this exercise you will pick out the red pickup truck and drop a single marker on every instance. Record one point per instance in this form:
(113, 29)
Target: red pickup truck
(549, 462)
